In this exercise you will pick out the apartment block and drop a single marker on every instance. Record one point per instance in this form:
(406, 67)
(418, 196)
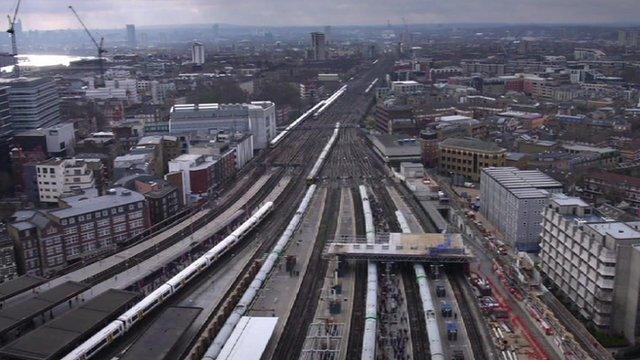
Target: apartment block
(512, 200)
(83, 227)
(594, 262)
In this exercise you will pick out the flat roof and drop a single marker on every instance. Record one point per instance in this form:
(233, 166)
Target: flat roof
(513, 178)
(564, 200)
(249, 339)
(66, 331)
(161, 337)
(471, 144)
(19, 285)
(22, 312)
(617, 230)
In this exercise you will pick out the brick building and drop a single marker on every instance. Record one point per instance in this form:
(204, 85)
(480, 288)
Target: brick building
(468, 156)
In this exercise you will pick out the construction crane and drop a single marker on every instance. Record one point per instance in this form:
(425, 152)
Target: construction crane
(14, 46)
(98, 82)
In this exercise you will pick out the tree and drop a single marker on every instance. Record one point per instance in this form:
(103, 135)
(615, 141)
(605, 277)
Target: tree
(281, 93)
(222, 92)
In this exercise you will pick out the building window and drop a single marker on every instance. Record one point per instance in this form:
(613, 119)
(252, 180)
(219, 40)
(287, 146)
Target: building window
(119, 228)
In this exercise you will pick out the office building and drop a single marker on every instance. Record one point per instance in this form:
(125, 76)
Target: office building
(594, 262)
(318, 46)
(131, 36)
(197, 53)
(512, 200)
(467, 157)
(257, 118)
(34, 102)
(199, 175)
(85, 226)
(163, 199)
(57, 178)
(53, 141)
(6, 130)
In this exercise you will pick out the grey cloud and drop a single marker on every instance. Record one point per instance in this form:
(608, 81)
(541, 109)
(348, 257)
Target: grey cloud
(51, 14)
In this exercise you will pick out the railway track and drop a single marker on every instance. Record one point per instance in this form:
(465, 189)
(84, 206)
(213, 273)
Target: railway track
(354, 345)
(473, 333)
(304, 307)
(419, 342)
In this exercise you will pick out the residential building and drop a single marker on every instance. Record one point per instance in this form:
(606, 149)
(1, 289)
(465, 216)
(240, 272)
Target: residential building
(163, 199)
(512, 200)
(318, 46)
(131, 36)
(57, 177)
(257, 118)
(198, 175)
(612, 186)
(594, 262)
(34, 102)
(84, 226)
(468, 156)
(406, 87)
(8, 268)
(197, 53)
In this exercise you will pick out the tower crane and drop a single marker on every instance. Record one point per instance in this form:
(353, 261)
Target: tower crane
(99, 82)
(12, 32)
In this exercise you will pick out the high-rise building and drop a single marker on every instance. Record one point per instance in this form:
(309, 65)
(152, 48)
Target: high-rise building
(629, 38)
(594, 262)
(131, 36)
(318, 46)
(327, 34)
(6, 131)
(197, 53)
(34, 102)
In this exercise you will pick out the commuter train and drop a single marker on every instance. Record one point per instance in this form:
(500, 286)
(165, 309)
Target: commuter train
(433, 332)
(330, 101)
(129, 318)
(315, 170)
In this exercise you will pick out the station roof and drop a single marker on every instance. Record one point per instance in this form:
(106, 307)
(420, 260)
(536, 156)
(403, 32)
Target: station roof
(13, 316)
(18, 285)
(63, 333)
(249, 339)
(161, 337)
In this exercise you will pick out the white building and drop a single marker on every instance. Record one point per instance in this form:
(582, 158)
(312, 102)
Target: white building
(121, 89)
(197, 53)
(58, 177)
(257, 118)
(512, 200)
(406, 87)
(593, 261)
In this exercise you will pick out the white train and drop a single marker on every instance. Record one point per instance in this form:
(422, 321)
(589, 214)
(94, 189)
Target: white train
(129, 318)
(276, 140)
(330, 101)
(311, 178)
(373, 83)
(252, 291)
(433, 332)
(371, 302)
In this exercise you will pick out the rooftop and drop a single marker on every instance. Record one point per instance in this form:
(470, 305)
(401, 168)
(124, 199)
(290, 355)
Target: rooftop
(513, 178)
(82, 204)
(617, 230)
(471, 144)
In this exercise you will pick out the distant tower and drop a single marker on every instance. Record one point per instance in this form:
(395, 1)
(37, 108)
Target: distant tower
(327, 34)
(318, 45)
(216, 30)
(131, 36)
(197, 53)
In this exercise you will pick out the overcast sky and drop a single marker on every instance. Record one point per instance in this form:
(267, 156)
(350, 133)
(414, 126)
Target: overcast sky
(54, 14)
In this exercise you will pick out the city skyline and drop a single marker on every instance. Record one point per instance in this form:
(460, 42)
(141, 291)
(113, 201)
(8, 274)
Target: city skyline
(53, 14)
